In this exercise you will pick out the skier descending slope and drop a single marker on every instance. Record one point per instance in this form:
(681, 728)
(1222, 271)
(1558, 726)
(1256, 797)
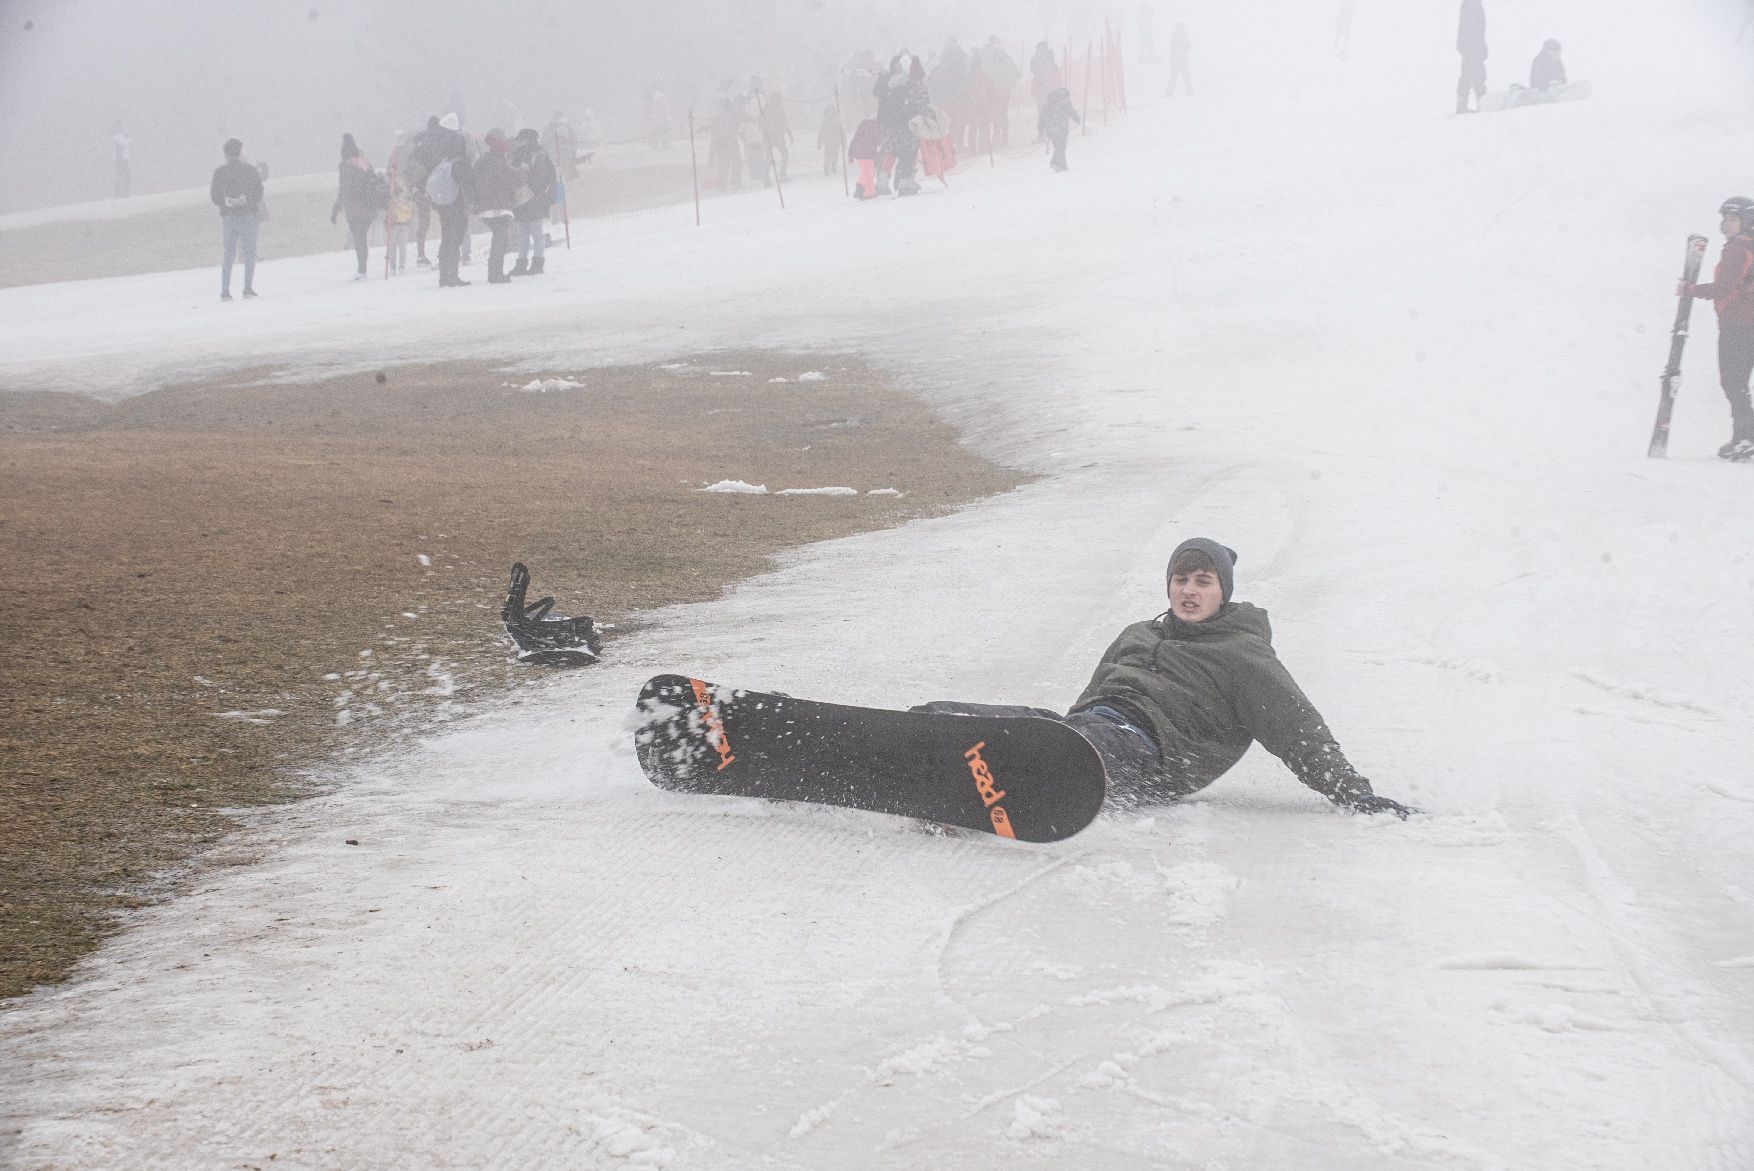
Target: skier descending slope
(1177, 700)
(1732, 291)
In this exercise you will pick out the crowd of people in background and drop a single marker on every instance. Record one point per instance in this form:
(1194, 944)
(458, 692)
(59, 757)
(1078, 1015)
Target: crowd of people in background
(894, 122)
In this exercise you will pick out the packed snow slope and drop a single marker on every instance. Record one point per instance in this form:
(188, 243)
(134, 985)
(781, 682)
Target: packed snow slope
(1405, 363)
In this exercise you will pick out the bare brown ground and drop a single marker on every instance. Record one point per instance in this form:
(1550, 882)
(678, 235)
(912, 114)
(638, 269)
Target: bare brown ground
(230, 548)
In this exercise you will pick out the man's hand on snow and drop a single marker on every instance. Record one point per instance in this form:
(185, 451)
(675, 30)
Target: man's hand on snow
(1372, 803)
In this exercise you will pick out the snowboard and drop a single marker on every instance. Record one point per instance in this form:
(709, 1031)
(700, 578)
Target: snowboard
(1024, 778)
(1671, 384)
(1517, 96)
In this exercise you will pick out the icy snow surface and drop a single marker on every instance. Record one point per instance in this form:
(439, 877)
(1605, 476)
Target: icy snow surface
(1404, 363)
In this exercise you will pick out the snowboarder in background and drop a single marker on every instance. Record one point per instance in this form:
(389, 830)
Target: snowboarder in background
(830, 139)
(122, 154)
(1055, 124)
(1471, 44)
(1731, 289)
(1179, 47)
(1343, 29)
(1178, 699)
(237, 192)
(537, 171)
(357, 196)
(1548, 68)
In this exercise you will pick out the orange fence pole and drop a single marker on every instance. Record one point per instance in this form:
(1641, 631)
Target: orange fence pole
(694, 165)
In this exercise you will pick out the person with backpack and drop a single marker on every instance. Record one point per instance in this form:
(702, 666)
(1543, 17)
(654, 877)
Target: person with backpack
(1176, 700)
(498, 189)
(1731, 289)
(1055, 123)
(237, 192)
(447, 188)
(531, 216)
(363, 194)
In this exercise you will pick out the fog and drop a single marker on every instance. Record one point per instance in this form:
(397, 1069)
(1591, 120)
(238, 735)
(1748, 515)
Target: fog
(289, 76)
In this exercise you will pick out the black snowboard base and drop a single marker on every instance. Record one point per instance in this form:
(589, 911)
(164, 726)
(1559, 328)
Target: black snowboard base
(1032, 780)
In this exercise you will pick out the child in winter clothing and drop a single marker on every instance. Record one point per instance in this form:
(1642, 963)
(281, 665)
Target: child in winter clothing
(1057, 116)
(401, 227)
(862, 151)
(1177, 700)
(1732, 289)
(830, 138)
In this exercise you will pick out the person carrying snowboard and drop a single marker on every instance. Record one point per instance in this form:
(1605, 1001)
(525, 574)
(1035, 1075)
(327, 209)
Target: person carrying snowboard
(1178, 699)
(1548, 68)
(1471, 44)
(1731, 290)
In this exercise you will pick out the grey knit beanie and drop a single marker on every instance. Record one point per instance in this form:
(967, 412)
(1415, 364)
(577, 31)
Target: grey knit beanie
(1223, 558)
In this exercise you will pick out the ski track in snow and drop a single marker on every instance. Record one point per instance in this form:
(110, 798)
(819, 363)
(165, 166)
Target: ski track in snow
(533, 958)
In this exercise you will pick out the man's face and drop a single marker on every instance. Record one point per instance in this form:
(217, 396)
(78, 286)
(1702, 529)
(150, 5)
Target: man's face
(1731, 226)
(1196, 596)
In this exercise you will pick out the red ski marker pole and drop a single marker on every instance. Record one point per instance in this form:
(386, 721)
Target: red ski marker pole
(761, 114)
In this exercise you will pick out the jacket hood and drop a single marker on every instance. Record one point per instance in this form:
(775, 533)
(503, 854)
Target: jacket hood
(1233, 618)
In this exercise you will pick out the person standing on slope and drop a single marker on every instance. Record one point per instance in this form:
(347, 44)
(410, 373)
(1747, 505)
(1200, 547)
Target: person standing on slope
(1471, 44)
(1178, 699)
(1731, 289)
(1179, 48)
(237, 193)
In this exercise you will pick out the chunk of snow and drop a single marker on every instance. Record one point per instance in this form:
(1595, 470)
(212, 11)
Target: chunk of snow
(729, 373)
(817, 492)
(884, 492)
(739, 486)
(544, 385)
(1034, 1117)
(812, 376)
(423, 559)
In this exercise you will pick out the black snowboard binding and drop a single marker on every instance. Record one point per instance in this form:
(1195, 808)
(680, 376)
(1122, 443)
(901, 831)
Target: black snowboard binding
(546, 641)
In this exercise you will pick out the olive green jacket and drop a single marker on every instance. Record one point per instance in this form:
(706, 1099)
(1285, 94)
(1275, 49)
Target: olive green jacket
(1207, 690)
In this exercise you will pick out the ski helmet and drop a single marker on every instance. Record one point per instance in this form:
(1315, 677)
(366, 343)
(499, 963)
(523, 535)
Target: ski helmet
(1739, 206)
(1552, 46)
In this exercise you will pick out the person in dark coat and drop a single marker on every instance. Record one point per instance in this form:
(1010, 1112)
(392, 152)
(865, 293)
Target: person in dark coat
(1045, 75)
(498, 189)
(1548, 67)
(1471, 44)
(1055, 123)
(531, 215)
(449, 186)
(1177, 700)
(355, 196)
(237, 192)
(1179, 48)
(1731, 290)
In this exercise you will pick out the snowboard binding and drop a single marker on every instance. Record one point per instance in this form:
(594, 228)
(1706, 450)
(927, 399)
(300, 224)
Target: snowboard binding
(542, 639)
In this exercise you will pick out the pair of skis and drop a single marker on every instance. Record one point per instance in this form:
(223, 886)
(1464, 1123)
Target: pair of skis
(1659, 436)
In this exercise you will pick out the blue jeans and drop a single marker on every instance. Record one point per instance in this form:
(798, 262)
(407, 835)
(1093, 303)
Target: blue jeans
(532, 234)
(1131, 758)
(240, 236)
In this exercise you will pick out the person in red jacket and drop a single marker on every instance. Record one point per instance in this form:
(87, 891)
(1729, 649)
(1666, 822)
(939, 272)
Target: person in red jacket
(1731, 289)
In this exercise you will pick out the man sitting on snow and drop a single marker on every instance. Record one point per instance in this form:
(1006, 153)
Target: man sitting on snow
(1177, 700)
